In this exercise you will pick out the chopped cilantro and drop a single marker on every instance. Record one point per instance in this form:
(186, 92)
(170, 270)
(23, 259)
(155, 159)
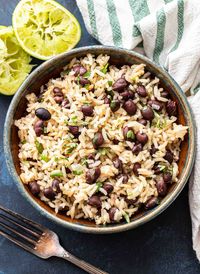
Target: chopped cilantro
(23, 142)
(105, 68)
(99, 185)
(84, 161)
(103, 151)
(87, 86)
(45, 158)
(56, 173)
(126, 217)
(87, 74)
(130, 135)
(71, 147)
(39, 147)
(110, 92)
(110, 83)
(77, 172)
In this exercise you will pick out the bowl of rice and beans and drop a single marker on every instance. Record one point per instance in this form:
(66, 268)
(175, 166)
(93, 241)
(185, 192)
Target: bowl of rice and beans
(100, 139)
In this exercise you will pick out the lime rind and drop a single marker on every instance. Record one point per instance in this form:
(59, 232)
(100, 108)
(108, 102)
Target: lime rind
(45, 28)
(14, 62)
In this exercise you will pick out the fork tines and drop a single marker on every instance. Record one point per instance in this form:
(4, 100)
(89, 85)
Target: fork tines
(19, 229)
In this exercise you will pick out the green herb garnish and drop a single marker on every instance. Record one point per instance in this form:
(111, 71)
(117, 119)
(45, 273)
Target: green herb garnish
(87, 74)
(83, 161)
(105, 68)
(126, 217)
(110, 92)
(66, 72)
(77, 172)
(103, 151)
(87, 86)
(23, 142)
(99, 185)
(110, 83)
(56, 173)
(71, 147)
(130, 135)
(45, 158)
(39, 147)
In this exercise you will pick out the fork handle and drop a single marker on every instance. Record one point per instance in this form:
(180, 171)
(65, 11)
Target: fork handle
(80, 263)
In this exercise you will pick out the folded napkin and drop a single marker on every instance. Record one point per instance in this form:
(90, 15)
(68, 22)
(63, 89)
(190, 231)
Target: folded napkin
(168, 32)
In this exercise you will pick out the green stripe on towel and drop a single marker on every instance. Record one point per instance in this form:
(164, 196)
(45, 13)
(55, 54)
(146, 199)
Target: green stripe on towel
(159, 44)
(116, 30)
(92, 17)
(180, 18)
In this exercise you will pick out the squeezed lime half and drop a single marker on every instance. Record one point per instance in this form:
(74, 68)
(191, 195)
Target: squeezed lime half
(14, 62)
(44, 28)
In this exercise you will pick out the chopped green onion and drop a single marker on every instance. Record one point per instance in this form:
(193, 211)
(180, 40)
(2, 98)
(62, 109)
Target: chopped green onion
(84, 161)
(87, 86)
(45, 158)
(78, 80)
(162, 167)
(130, 135)
(87, 74)
(103, 151)
(110, 83)
(86, 103)
(39, 147)
(77, 172)
(99, 185)
(110, 92)
(126, 217)
(105, 68)
(71, 147)
(56, 173)
(23, 142)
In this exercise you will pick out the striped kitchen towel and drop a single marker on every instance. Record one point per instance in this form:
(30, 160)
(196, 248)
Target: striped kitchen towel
(168, 32)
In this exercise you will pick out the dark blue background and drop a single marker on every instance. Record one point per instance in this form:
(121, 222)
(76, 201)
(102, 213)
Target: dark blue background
(162, 246)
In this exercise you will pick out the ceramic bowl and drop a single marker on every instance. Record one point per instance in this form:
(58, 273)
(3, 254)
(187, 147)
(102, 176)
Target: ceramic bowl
(51, 69)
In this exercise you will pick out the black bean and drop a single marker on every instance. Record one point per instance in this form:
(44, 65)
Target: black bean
(167, 177)
(65, 103)
(131, 201)
(136, 166)
(161, 187)
(137, 148)
(83, 81)
(152, 202)
(111, 213)
(94, 201)
(67, 170)
(98, 140)
(124, 178)
(142, 137)
(120, 85)
(87, 110)
(108, 188)
(91, 156)
(155, 105)
(49, 193)
(43, 114)
(79, 70)
(143, 122)
(130, 107)
(115, 105)
(57, 90)
(126, 95)
(74, 130)
(128, 134)
(153, 150)
(118, 164)
(157, 169)
(169, 156)
(171, 108)
(141, 91)
(147, 113)
(164, 94)
(107, 100)
(115, 141)
(92, 175)
(34, 188)
(55, 185)
(39, 128)
(58, 99)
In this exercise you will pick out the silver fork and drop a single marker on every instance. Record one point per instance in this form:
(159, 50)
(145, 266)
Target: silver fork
(37, 239)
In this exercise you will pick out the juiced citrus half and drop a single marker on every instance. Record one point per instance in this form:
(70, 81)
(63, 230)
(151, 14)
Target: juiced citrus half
(14, 62)
(44, 28)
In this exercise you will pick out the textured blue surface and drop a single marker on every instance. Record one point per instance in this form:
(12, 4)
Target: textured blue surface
(161, 246)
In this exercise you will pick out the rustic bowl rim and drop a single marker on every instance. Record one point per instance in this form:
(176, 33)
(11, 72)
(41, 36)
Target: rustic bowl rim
(121, 226)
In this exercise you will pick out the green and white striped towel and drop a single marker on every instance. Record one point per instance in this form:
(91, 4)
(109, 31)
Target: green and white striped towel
(168, 32)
